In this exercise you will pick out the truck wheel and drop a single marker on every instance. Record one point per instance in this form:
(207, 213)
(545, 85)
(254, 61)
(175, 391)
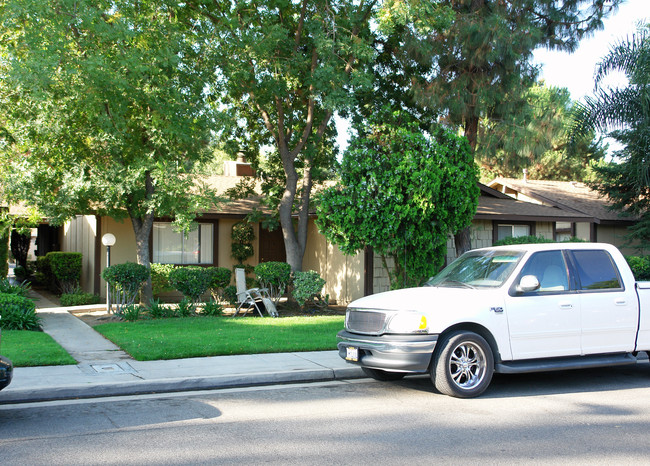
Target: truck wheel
(463, 366)
(384, 376)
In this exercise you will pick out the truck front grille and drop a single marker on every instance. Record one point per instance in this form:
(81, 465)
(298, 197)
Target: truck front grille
(362, 321)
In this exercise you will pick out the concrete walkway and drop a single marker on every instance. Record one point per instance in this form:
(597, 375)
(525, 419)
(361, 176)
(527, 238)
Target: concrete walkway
(104, 370)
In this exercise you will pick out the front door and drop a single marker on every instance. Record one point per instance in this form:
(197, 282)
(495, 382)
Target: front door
(272, 246)
(545, 322)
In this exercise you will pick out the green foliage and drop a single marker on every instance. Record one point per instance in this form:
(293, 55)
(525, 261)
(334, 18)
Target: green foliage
(186, 308)
(157, 310)
(21, 289)
(20, 246)
(193, 282)
(4, 250)
(625, 112)
(18, 313)
(66, 268)
(125, 280)
(535, 137)
(230, 295)
(212, 308)
(308, 286)
(130, 312)
(78, 298)
(160, 278)
(275, 277)
(220, 279)
(402, 192)
(242, 237)
(640, 266)
(21, 273)
(44, 275)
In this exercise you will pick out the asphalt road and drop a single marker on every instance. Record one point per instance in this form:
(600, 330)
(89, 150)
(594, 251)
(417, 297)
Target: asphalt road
(579, 417)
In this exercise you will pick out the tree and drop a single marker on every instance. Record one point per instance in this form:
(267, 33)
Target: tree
(283, 69)
(104, 106)
(480, 60)
(536, 138)
(402, 192)
(625, 113)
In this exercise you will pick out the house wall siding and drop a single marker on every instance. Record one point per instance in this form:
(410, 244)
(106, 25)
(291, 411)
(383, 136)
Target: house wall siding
(79, 235)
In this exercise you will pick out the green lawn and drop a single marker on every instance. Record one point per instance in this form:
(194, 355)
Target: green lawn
(149, 340)
(26, 348)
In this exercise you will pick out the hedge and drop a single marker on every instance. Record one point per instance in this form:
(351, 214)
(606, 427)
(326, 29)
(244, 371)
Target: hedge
(18, 313)
(66, 268)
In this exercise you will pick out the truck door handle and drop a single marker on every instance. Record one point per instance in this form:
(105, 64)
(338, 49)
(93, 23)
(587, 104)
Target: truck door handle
(566, 305)
(620, 302)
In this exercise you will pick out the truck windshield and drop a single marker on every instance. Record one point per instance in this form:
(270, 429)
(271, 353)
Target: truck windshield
(478, 269)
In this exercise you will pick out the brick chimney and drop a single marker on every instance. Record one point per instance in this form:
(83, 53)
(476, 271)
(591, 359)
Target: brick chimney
(239, 167)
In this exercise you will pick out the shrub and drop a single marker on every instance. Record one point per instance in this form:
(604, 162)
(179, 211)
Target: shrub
(230, 295)
(212, 308)
(186, 307)
(522, 240)
(44, 275)
(274, 276)
(130, 312)
(78, 298)
(160, 278)
(125, 281)
(20, 290)
(219, 279)
(307, 286)
(242, 237)
(640, 266)
(66, 268)
(21, 273)
(18, 313)
(157, 310)
(193, 282)
(4, 249)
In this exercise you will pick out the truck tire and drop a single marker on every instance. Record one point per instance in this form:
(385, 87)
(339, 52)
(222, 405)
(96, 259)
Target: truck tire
(384, 376)
(463, 365)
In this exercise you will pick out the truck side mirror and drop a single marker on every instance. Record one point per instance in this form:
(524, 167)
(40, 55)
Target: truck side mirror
(528, 283)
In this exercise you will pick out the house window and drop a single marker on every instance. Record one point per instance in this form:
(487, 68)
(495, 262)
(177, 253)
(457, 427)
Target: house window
(173, 247)
(563, 231)
(513, 230)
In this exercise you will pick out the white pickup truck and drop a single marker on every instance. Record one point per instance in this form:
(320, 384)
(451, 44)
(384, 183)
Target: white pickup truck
(507, 309)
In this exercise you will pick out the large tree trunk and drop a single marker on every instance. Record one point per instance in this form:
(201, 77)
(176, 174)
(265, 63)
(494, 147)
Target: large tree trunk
(142, 226)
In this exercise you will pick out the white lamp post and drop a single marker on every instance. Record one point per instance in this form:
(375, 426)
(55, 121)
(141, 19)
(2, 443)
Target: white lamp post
(108, 240)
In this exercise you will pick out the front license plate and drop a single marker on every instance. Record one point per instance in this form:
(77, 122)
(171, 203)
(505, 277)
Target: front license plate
(352, 353)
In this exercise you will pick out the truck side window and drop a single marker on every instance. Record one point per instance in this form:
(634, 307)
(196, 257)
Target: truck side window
(596, 270)
(550, 269)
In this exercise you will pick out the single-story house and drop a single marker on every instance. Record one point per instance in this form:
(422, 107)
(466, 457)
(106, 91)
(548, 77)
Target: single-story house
(499, 214)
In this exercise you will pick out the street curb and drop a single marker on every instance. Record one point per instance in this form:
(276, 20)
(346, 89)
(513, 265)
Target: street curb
(176, 385)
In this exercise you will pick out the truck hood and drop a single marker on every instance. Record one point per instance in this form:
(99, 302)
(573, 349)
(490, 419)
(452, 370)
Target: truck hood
(431, 299)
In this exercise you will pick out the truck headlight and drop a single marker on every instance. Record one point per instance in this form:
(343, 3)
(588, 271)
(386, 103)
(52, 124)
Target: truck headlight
(408, 322)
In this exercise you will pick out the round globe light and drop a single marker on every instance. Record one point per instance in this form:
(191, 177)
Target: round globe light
(108, 239)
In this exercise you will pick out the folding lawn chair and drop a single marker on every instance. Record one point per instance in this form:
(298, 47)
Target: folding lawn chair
(253, 297)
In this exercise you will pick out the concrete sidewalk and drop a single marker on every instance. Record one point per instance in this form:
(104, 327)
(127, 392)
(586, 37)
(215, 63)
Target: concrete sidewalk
(104, 370)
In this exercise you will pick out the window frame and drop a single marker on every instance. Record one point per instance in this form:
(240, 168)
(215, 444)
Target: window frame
(215, 242)
(575, 271)
(497, 223)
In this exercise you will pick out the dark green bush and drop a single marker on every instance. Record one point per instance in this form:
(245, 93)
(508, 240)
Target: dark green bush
(20, 290)
(192, 281)
(522, 240)
(21, 273)
(274, 276)
(308, 286)
(4, 249)
(125, 281)
(219, 279)
(66, 268)
(157, 310)
(212, 308)
(640, 266)
(130, 313)
(18, 313)
(186, 307)
(160, 278)
(242, 237)
(78, 298)
(43, 275)
(230, 294)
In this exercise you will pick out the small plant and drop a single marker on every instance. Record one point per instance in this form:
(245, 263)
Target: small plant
(125, 281)
(21, 273)
(242, 237)
(193, 282)
(212, 308)
(130, 312)
(157, 310)
(186, 308)
(275, 277)
(307, 287)
(18, 313)
(20, 290)
(640, 266)
(78, 298)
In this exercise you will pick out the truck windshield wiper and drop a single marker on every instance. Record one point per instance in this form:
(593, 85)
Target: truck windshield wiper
(457, 283)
